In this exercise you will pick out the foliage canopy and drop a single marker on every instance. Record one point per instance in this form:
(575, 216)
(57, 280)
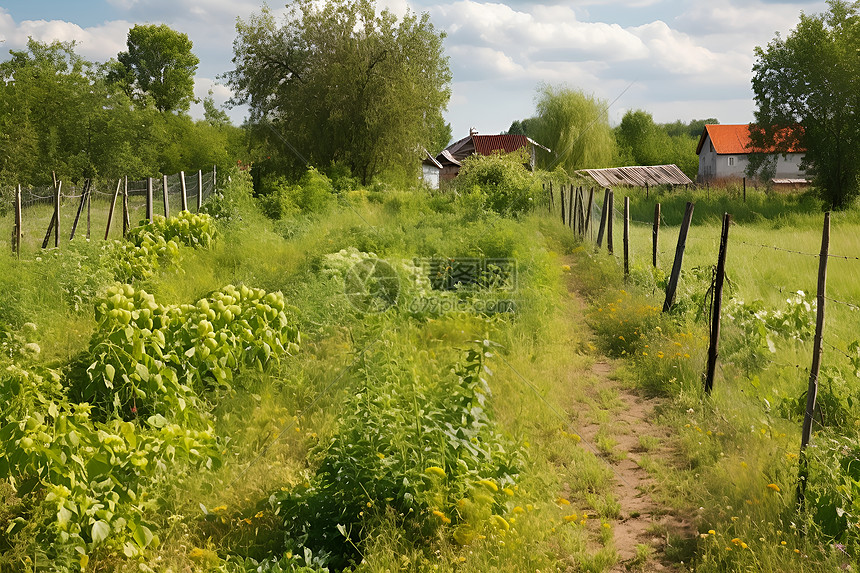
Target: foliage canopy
(811, 79)
(159, 64)
(343, 84)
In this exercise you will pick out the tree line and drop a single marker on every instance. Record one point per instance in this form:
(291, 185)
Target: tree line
(129, 116)
(358, 93)
(575, 125)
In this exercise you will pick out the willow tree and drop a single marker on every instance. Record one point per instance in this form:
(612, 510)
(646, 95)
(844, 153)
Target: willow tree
(342, 83)
(575, 126)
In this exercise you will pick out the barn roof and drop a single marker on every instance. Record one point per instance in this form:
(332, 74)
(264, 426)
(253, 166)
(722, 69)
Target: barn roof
(638, 176)
(430, 160)
(732, 139)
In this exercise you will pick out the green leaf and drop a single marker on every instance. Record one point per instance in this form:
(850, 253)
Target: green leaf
(109, 372)
(100, 531)
(142, 535)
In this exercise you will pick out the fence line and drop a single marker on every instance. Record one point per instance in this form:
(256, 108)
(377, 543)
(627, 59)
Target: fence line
(708, 376)
(181, 191)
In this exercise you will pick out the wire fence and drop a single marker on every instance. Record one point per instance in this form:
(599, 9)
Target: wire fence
(47, 216)
(604, 221)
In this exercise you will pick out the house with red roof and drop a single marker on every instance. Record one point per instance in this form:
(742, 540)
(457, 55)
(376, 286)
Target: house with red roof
(724, 150)
(452, 156)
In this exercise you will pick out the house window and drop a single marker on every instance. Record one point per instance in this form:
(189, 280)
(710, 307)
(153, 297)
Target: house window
(731, 161)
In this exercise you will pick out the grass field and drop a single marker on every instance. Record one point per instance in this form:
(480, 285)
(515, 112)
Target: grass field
(411, 439)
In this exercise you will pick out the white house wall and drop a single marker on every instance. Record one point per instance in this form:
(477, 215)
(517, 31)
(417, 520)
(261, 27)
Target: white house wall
(713, 165)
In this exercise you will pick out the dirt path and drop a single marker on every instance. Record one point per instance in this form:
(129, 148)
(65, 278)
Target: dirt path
(621, 427)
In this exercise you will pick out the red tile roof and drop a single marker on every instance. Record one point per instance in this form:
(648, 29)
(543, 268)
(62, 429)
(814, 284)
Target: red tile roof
(731, 140)
(487, 144)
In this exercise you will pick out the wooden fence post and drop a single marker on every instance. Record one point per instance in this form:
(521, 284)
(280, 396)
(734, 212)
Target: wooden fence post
(626, 237)
(126, 223)
(745, 189)
(184, 197)
(199, 189)
(112, 206)
(149, 199)
(717, 305)
(164, 195)
(570, 210)
(52, 224)
(812, 391)
(588, 211)
(551, 198)
(647, 190)
(655, 233)
(679, 258)
(214, 175)
(16, 243)
(57, 197)
(603, 218)
(562, 205)
(609, 217)
(80, 209)
(89, 204)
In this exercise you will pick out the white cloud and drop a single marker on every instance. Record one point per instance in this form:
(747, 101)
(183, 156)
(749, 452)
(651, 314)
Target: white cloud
(98, 43)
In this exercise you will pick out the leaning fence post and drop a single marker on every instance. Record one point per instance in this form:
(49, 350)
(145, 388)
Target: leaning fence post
(609, 217)
(812, 391)
(603, 218)
(626, 237)
(57, 192)
(89, 205)
(679, 258)
(16, 243)
(570, 210)
(112, 207)
(717, 305)
(655, 233)
(588, 211)
(80, 209)
(562, 205)
(126, 223)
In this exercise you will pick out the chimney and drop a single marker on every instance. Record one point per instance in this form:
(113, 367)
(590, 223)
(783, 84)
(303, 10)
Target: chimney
(472, 131)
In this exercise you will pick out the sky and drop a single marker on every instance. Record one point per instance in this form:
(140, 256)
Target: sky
(676, 59)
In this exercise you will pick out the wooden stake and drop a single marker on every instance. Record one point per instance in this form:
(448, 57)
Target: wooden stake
(610, 216)
(679, 258)
(812, 391)
(603, 218)
(126, 223)
(89, 203)
(112, 206)
(570, 209)
(80, 209)
(53, 221)
(184, 197)
(16, 243)
(745, 189)
(57, 193)
(647, 190)
(588, 211)
(199, 189)
(562, 205)
(626, 237)
(551, 198)
(149, 199)
(655, 232)
(716, 307)
(164, 195)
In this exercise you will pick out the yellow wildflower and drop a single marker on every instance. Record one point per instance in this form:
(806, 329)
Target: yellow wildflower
(435, 471)
(774, 487)
(489, 484)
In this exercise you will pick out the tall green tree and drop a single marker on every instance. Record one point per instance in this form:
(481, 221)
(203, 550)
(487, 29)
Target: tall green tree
(807, 88)
(575, 126)
(158, 64)
(342, 83)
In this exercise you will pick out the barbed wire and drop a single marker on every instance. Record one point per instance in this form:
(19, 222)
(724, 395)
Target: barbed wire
(851, 305)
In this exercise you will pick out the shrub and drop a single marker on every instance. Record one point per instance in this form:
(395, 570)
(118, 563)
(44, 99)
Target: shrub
(500, 182)
(313, 194)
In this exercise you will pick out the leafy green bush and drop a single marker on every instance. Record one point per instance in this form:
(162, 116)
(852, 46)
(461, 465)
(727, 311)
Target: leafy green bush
(146, 359)
(426, 450)
(499, 182)
(314, 193)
